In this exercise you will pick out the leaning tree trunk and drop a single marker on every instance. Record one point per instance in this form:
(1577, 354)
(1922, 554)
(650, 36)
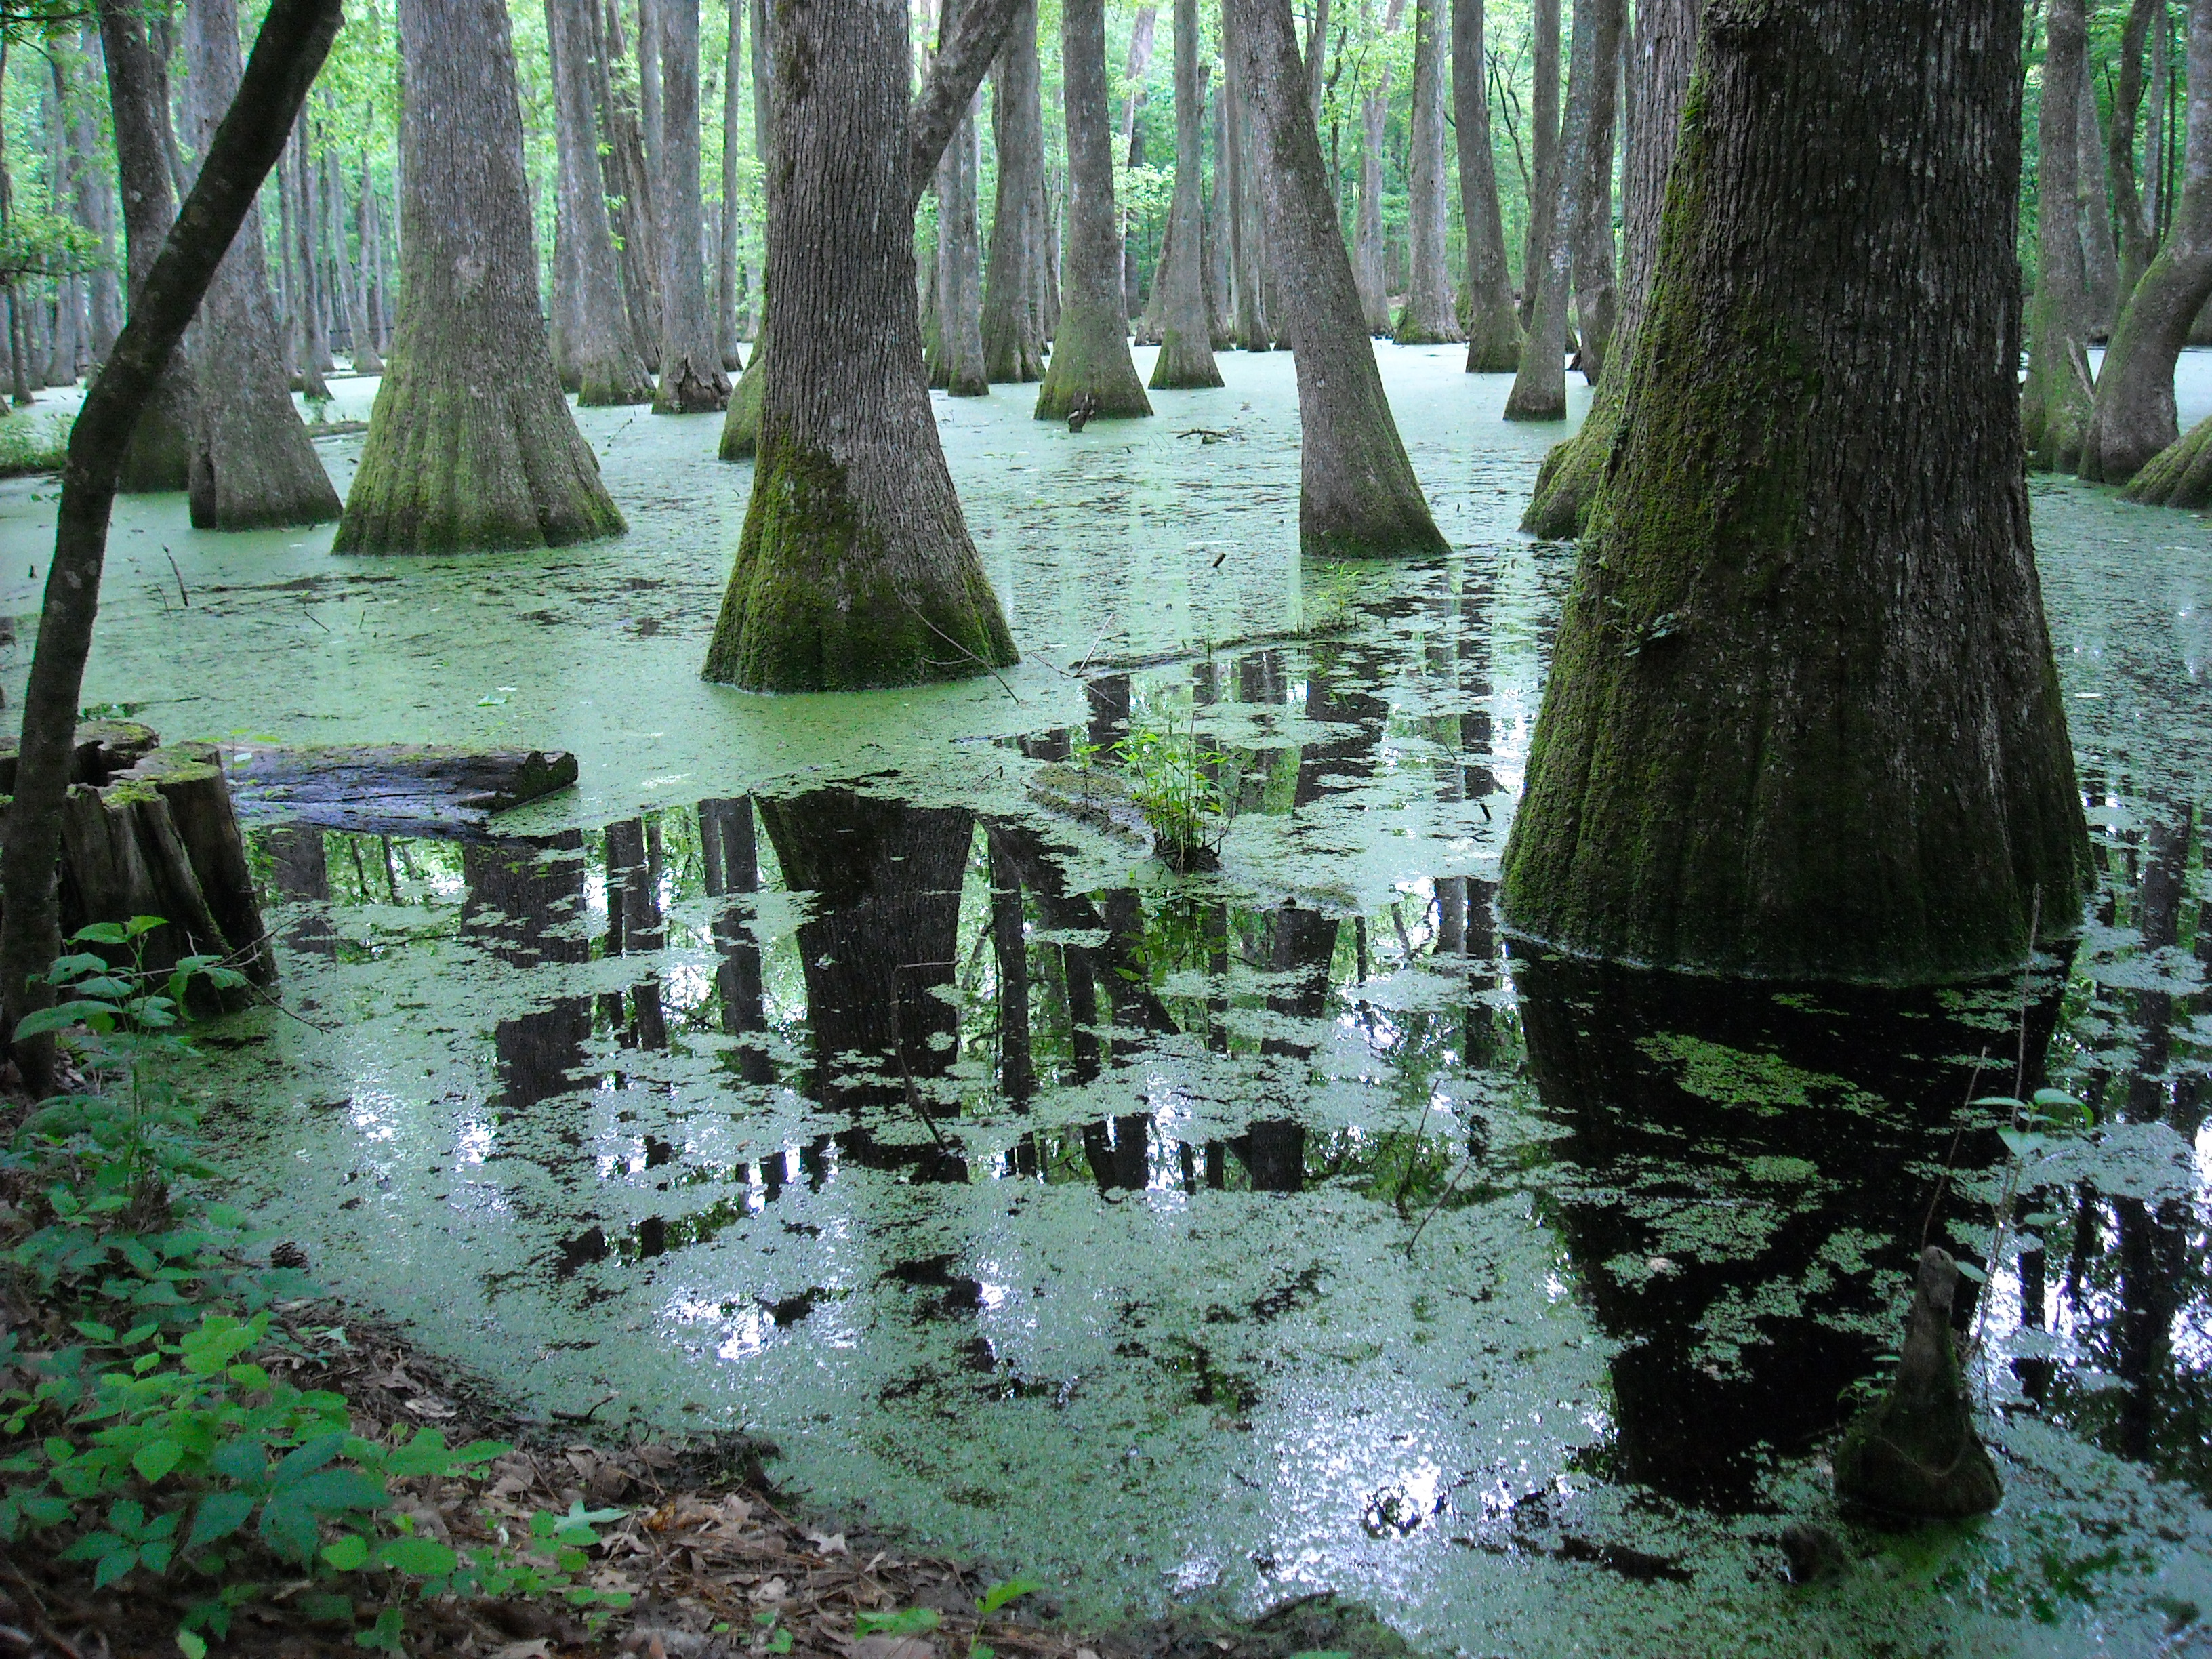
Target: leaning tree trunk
(601, 349)
(1660, 58)
(1544, 145)
(1013, 344)
(1493, 328)
(1091, 366)
(855, 568)
(1596, 296)
(1802, 720)
(1357, 496)
(2055, 402)
(2133, 417)
(1540, 388)
(1186, 356)
(1428, 316)
(2101, 259)
(159, 453)
(691, 378)
(253, 464)
(471, 445)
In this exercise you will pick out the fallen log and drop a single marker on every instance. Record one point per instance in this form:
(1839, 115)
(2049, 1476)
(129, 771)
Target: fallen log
(415, 789)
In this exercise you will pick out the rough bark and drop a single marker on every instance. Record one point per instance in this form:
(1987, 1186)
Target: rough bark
(1493, 328)
(1013, 340)
(1540, 386)
(2100, 259)
(1544, 147)
(956, 361)
(1357, 496)
(691, 378)
(159, 453)
(367, 359)
(855, 568)
(253, 465)
(1091, 364)
(1245, 213)
(294, 37)
(314, 313)
(1367, 228)
(2137, 245)
(95, 206)
(1803, 719)
(2133, 417)
(1660, 58)
(471, 445)
(1186, 356)
(630, 180)
(729, 274)
(1428, 315)
(601, 349)
(2054, 402)
(1596, 293)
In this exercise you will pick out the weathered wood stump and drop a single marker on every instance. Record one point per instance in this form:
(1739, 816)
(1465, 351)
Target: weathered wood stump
(416, 789)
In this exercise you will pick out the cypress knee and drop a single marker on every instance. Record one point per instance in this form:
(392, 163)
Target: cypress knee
(1802, 720)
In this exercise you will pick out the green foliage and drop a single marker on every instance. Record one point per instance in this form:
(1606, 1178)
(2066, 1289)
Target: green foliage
(1174, 779)
(33, 443)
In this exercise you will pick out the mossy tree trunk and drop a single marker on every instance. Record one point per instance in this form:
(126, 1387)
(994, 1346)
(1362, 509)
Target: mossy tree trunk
(1543, 147)
(1013, 336)
(1661, 53)
(471, 445)
(1493, 328)
(2133, 417)
(253, 465)
(1803, 719)
(608, 366)
(1186, 356)
(2054, 401)
(691, 378)
(1597, 295)
(855, 568)
(1357, 496)
(1428, 317)
(159, 455)
(1090, 363)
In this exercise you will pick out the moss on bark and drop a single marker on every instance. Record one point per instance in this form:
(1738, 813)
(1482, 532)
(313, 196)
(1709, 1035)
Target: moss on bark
(1567, 482)
(2180, 475)
(741, 421)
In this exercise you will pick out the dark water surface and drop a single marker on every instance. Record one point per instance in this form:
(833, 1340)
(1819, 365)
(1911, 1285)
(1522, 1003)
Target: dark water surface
(847, 1070)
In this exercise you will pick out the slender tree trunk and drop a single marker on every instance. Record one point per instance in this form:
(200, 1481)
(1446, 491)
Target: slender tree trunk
(855, 568)
(471, 445)
(1429, 314)
(1357, 496)
(1014, 345)
(2157, 207)
(628, 178)
(315, 335)
(741, 421)
(1807, 594)
(1245, 212)
(2054, 402)
(2133, 418)
(1367, 232)
(1186, 356)
(1597, 298)
(1544, 145)
(729, 274)
(1540, 388)
(652, 116)
(1493, 328)
(956, 360)
(1091, 366)
(294, 40)
(353, 279)
(1131, 148)
(601, 344)
(1660, 58)
(253, 465)
(95, 203)
(1220, 308)
(2101, 260)
(691, 378)
(2137, 245)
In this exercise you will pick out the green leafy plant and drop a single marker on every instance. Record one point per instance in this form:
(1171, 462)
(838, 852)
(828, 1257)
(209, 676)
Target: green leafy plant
(1174, 782)
(2032, 1128)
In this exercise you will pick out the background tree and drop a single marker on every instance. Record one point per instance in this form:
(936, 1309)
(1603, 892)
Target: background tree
(1186, 356)
(470, 445)
(1802, 720)
(599, 345)
(691, 380)
(1428, 315)
(2054, 401)
(1596, 296)
(1013, 334)
(1493, 328)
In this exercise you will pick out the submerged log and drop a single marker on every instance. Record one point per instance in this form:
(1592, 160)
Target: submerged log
(393, 789)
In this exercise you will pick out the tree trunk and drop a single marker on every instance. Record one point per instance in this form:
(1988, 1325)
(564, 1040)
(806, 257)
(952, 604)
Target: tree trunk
(1013, 344)
(855, 568)
(601, 346)
(2137, 245)
(1539, 387)
(1659, 60)
(294, 40)
(471, 445)
(1597, 298)
(2133, 418)
(1131, 148)
(95, 207)
(729, 274)
(629, 179)
(1493, 328)
(2100, 261)
(652, 116)
(1357, 496)
(1544, 142)
(956, 361)
(253, 465)
(1091, 366)
(1807, 595)
(691, 378)
(314, 330)
(352, 280)
(159, 455)
(1428, 315)
(1186, 356)
(1219, 307)
(2054, 402)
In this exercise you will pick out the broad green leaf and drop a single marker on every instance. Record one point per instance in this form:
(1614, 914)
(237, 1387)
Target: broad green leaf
(220, 1515)
(908, 1621)
(155, 1459)
(424, 1558)
(1968, 1270)
(347, 1553)
(63, 1015)
(191, 1644)
(303, 1460)
(334, 1492)
(113, 1567)
(998, 1596)
(287, 1527)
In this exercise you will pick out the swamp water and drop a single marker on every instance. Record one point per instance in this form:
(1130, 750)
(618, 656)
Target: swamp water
(845, 1070)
